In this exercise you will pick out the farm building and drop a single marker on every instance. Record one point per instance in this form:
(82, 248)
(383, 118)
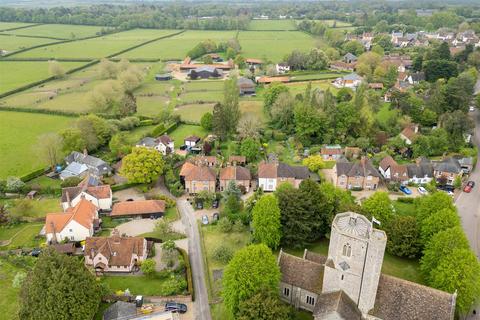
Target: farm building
(139, 208)
(163, 77)
(246, 86)
(205, 73)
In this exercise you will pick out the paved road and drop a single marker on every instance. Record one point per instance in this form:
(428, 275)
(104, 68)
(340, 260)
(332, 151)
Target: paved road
(195, 252)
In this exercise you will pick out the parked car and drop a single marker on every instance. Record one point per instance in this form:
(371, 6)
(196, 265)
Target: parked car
(205, 219)
(176, 307)
(471, 109)
(471, 183)
(446, 188)
(199, 205)
(35, 252)
(215, 204)
(467, 188)
(405, 190)
(216, 216)
(422, 190)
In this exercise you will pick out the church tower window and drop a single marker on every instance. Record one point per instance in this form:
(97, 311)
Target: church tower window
(347, 250)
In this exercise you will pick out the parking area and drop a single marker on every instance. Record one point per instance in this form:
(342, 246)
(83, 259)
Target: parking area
(136, 227)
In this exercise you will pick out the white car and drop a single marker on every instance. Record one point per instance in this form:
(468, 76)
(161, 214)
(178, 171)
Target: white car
(471, 109)
(422, 190)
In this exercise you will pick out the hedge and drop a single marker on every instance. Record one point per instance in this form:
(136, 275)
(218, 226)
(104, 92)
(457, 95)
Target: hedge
(23, 27)
(123, 186)
(34, 174)
(146, 122)
(26, 36)
(188, 270)
(405, 199)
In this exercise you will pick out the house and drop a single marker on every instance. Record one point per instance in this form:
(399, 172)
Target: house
(205, 72)
(342, 66)
(375, 86)
(282, 68)
(240, 175)
(237, 160)
(100, 196)
(76, 224)
(253, 63)
(64, 248)
(409, 133)
(272, 174)
(332, 152)
(120, 310)
(245, 86)
(209, 161)
(351, 80)
(352, 152)
(421, 172)
(348, 282)
(138, 209)
(163, 144)
(163, 77)
(357, 175)
(415, 78)
(392, 171)
(76, 163)
(191, 141)
(198, 178)
(215, 57)
(268, 80)
(466, 163)
(350, 58)
(115, 253)
(447, 170)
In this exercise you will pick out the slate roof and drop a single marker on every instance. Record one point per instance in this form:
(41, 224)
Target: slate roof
(120, 310)
(147, 142)
(301, 273)
(350, 56)
(314, 257)
(91, 162)
(363, 168)
(336, 305)
(243, 82)
(192, 139)
(420, 170)
(398, 299)
(235, 173)
(98, 192)
(450, 165)
(127, 208)
(282, 170)
(118, 250)
(73, 169)
(418, 76)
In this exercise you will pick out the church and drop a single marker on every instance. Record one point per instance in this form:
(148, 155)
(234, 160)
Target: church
(348, 283)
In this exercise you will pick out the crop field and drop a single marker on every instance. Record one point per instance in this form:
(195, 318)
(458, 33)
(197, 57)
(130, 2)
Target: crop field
(18, 133)
(271, 45)
(283, 25)
(22, 73)
(96, 47)
(177, 46)
(12, 43)
(10, 25)
(62, 31)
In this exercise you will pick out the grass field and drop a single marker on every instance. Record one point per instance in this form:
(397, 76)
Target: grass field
(283, 25)
(193, 112)
(63, 31)
(185, 130)
(23, 237)
(8, 294)
(37, 208)
(25, 72)
(299, 87)
(271, 45)
(317, 76)
(14, 43)
(97, 47)
(177, 47)
(151, 106)
(18, 135)
(10, 25)
(336, 23)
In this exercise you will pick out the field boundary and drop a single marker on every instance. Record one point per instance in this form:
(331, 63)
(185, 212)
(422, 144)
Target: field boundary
(22, 27)
(27, 36)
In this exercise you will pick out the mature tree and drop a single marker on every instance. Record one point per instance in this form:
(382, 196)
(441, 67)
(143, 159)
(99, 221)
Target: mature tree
(231, 104)
(143, 165)
(404, 237)
(431, 204)
(250, 148)
(297, 60)
(367, 63)
(354, 46)
(232, 189)
(317, 60)
(232, 208)
(266, 221)
(207, 121)
(148, 267)
(119, 144)
(56, 69)
(458, 272)
(265, 305)
(131, 78)
(383, 41)
(314, 163)
(249, 127)
(219, 121)
(59, 287)
(441, 220)
(440, 246)
(251, 269)
(107, 69)
(474, 59)
(438, 69)
(310, 123)
(106, 96)
(320, 208)
(380, 207)
(281, 112)
(271, 94)
(73, 140)
(49, 148)
(459, 91)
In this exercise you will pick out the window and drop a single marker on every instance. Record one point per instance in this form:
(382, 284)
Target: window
(310, 300)
(70, 230)
(347, 250)
(342, 276)
(286, 292)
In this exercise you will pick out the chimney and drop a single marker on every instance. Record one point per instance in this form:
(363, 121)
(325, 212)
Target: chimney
(68, 199)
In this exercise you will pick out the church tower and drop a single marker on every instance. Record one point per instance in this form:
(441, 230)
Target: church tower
(355, 257)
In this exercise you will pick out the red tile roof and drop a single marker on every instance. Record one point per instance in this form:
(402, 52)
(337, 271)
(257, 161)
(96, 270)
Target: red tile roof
(127, 208)
(83, 213)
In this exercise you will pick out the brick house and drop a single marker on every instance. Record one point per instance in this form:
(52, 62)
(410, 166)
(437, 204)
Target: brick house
(272, 174)
(198, 178)
(331, 152)
(357, 175)
(447, 170)
(240, 175)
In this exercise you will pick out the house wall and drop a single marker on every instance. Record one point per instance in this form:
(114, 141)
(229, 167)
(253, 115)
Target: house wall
(197, 186)
(384, 173)
(190, 143)
(103, 204)
(420, 180)
(297, 296)
(449, 175)
(73, 231)
(267, 184)
(407, 141)
(369, 183)
(224, 183)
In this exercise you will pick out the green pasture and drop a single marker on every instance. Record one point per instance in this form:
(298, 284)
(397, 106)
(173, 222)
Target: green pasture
(13, 43)
(177, 47)
(317, 76)
(201, 96)
(96, 47)
(271, 45)
(21, 73)
(8, 295)
(252, 107)
(299, 87)
(186, 130)
(337, 23)
(204, 85)
(63, 31)
(193, 112)
(281, 25)
(151, 106)
(10, 25)
(18, 136)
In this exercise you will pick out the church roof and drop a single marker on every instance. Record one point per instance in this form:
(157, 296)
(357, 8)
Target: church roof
(352, 224)
(399, 299)
(301, 273)
(336, 305)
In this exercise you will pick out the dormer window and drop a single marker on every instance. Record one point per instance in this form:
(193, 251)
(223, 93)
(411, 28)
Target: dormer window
(347, 250)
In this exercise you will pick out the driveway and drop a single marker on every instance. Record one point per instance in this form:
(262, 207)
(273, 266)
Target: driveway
(202, 307)
(136, 227)
(130, 193)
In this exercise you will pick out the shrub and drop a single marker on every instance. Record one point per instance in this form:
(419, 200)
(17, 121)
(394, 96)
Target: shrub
(279, 136)
(70, 182)
(148, 267)
(147, 122)
(222, 254)
(14, 184)
(169, 202)
(225, 225)
(238, 226)
(405, 199)
(158, 130)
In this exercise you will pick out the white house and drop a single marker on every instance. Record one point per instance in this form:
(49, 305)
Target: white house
(272, 174)
(76, 224)
(100, 196)
(163, 144)
(191, 141)
(351, 80)
(282, 68)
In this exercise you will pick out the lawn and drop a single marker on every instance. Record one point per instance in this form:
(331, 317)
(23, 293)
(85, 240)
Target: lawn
(271, 45)
(37, 208)
(8, 294)
(404, 208)
(13, 43)
(23, 236)
(201, 96)
(317, 76)
(299, 87)
(254, 108)
(10, 25)
(138, 133)
(177, 46)
(25, 72)
(385, 114)
(204, 85)
(281, 25)
(97, 47)
(185, 130)
(63, 31)
(151, 106)
(18, 134)
(193, 112)
(338, 23)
